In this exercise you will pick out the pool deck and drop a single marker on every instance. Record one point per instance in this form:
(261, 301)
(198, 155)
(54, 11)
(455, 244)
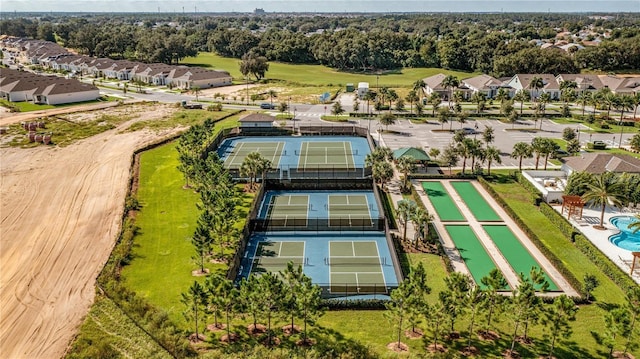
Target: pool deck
(489, 245)
(600, 238)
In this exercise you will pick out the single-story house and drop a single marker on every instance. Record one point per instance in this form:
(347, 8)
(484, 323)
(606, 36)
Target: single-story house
(434, 84)
(598, 163)
(523, 81)
(486, 84)
(190, 77)
(67, 91)
(584, 82)
(256, 120)
(17, 86)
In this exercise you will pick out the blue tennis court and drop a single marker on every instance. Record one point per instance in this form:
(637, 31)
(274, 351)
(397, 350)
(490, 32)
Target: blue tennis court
(343, 265)
(301, 153)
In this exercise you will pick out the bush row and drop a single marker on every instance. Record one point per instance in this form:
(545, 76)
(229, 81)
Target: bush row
(558, 220)
(457, 175)
(557, 263)
(536, 196)
(354, 304)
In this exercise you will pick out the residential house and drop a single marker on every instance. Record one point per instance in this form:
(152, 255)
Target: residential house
(17, 86)
(189, 77)
(66, 91)
(584, 82)
(486, 84)
(433, 84)
(155, 74)
(598, 163)
(120, 69)
(523, 81)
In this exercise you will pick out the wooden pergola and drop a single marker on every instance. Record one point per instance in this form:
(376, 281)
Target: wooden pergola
(635, 255)
(572, 203)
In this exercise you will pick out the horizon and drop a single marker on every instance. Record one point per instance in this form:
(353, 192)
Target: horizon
(328, 7)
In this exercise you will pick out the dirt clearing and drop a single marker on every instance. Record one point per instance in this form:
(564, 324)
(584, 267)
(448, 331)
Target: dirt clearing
(60, 213)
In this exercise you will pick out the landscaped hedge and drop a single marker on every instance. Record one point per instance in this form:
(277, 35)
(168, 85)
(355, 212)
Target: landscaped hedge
(565, 227)
(557, 263)
(603, 262)
(443, 176)
(354, 304)
(535, 194)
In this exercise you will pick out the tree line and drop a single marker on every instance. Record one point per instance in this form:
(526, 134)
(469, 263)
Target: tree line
(491, 43)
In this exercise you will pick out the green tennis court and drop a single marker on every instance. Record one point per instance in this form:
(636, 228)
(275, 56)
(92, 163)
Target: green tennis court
(328, 155)
(514, 252)
(441, 200)
(472, 251)
(269, 150)
(480, 208)
(274, 256)
(288, 210)
(349, 210)
(355, 267)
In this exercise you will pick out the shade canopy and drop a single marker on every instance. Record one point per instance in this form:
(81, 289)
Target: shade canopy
(417, 154)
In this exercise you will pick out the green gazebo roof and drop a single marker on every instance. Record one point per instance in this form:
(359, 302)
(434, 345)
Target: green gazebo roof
(415, 153)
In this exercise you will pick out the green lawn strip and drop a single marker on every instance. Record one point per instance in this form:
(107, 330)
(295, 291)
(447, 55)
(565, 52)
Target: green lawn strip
(161, 267)
(321, 75)
(107, 323)
(520, 202)
(181, 118)
(471, 250)
(474, 200)
(514, 251)
(444, 205)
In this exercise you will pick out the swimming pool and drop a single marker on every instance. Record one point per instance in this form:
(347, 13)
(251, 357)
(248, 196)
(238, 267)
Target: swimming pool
(626, 239)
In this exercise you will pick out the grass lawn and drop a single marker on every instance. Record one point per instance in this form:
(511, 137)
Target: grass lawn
(318, 75)
(161, 266)
(26, 106)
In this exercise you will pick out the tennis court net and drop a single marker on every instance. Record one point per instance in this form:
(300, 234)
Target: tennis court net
(300, 223)
(354, 261)
(326, 151)
(276, 261)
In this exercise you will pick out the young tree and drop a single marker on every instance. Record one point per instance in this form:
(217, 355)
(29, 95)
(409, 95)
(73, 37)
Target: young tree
(405, 210)
(452, 299)
(444, 115)
(557, 317)
(633, 307)
(309, 304)
(573, 146)
(480, 99)
(356, 105)
(202, 242)
(251, 300)
(435, 316)
(211, 286)
(616, 325)
(473, 301)
(416, 295)
(522, 96)
(195, 299)
(397, 310)
(434, 100)
(494, 282)
(421, 219)
(272, 93)
(226, 298)
(337, 109)
(450, 157)
(568, 134)
(606, 189)
(591, 282)
(271, 291)
(292, 278)
(283, 107)
(488, 136)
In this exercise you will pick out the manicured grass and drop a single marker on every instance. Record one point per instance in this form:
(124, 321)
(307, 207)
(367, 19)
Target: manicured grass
(26, 106)
(478, 206)
(444, 205)
(161, 267)
(318, 75)
(181, 118)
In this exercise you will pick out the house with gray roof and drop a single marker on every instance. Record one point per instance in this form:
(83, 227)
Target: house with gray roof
(434, 84)
(523, 81)
(17, 86)
(486, 84)
(598, 163)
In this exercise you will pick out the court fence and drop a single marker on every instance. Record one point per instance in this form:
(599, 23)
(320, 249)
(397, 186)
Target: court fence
(346, 290)
(295, 224)
(289, 173)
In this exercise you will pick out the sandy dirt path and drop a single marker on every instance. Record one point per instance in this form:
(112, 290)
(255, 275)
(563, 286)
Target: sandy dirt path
(60, 211)
(8, 118)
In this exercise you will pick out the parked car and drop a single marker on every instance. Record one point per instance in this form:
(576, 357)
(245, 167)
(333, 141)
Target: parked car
(469, 131)
(267, 106)
(560, 153)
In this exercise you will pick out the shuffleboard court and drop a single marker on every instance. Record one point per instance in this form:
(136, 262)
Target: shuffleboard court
(355, 267)
(326, 155)
(442, 202)
(514, 252)
(274, 256)
(478, 206)
(476, 258)
(272, 151)
(349, 210)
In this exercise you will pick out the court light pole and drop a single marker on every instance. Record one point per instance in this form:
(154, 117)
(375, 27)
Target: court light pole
(294, 118)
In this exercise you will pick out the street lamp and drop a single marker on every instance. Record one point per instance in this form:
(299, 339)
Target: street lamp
(590, 135)
(289, 106)
(614, 141)
(294, 118)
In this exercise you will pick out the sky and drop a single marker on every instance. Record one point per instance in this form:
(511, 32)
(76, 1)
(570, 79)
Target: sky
(320, 6)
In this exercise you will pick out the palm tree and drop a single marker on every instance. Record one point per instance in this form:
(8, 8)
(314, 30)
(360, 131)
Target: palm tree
(480, 99)
(380, 154)
(543, 100)
(418, 88)
(535, 85)
(584, 99)
(406, 209)
(488, 135)
(450, 157)
(369, 96)
(412, 98)
(502, 95)
(387, 119)
(522, 96)
(635, 225)
(635, 99)
(382, 172)
(491, 153)
(392, 96)
(421, 220)
(272, 93)
(625, 102)
(450, 82)
(521, 150)
(434, 100)
(538, 147)
(606, 189)
(443, 116)
(405, 165)
(465, 149)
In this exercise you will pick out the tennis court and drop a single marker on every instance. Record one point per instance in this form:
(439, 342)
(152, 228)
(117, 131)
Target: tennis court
(355, 267)
(288, 210)
(514, 252)
(328, 155)
(442, 202)
(272, 151)
(349, 210)
(274, 256)
(476, 258)
(478, 206)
